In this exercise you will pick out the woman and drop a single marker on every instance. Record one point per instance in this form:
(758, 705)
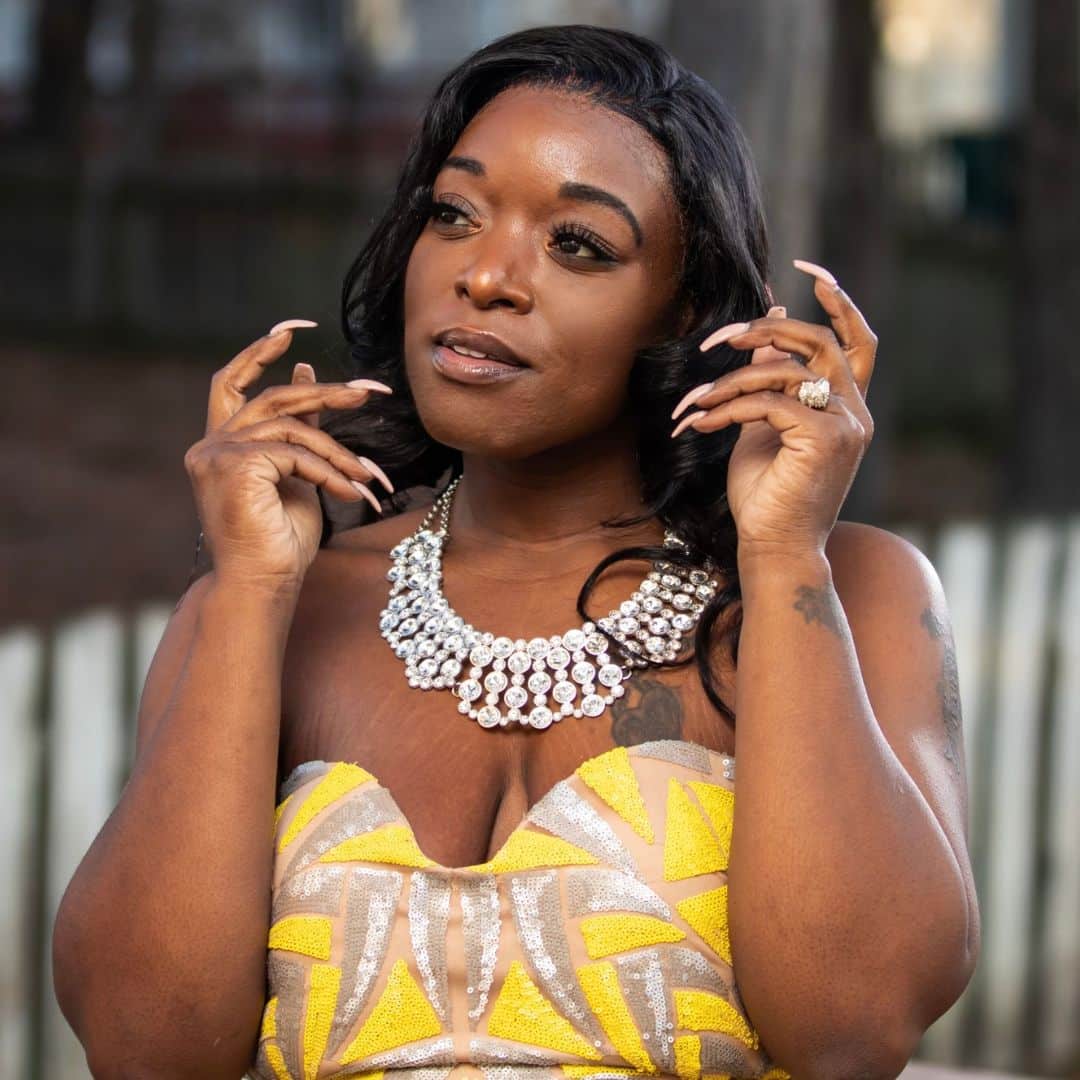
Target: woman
(511, 842)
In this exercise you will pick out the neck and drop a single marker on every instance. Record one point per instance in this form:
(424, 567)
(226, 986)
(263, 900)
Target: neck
(542, 515)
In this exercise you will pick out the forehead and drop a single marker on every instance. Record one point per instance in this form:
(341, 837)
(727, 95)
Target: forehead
(535, 139)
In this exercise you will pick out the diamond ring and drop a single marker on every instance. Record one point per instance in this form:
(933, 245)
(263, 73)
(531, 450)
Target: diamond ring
(814, 393)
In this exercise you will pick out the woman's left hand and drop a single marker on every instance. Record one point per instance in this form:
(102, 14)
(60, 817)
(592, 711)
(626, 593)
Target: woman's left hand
(792, 465)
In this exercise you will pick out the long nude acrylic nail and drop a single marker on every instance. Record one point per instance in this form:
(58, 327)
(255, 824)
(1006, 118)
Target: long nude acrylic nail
(290, 324)
(369, 384)
(691, 397)
(686, 422)
(817, 271)
(725, 333)
(366, 492)
(373, 468)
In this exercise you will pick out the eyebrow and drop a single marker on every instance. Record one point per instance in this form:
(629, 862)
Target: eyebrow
(569, 190)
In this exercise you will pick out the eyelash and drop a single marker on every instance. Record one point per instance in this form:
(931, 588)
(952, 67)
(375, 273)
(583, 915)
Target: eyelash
(572, 229)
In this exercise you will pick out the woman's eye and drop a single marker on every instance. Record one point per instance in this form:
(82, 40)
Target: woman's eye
(443, 213)
(576, 244)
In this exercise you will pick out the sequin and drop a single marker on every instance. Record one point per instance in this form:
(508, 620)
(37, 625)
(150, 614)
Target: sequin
(565, 813)
(601, 985)
(607, 934)
(522, 1013)
(370, 905)
(287, 979)
(525, 850)
(308, 935)
(493, 1052)
(315, 891)
(707, 914)
(700, 1011)
(690, 846)
(643, 980)
(337, 782)
(360, 813)
(401, 1015)
(438, 1052)
(322, 998)
(688, 755)
(589, 891)
(429, 907)
(540, 929)
(481, 927)
(359, 981)
(612, 777)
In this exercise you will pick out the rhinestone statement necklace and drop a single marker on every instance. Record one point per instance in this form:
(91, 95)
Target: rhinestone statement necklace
(530, 683)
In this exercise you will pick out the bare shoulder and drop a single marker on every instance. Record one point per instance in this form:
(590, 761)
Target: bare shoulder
(877, 572)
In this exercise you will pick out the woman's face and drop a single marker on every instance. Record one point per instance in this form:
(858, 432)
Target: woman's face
(555, 230)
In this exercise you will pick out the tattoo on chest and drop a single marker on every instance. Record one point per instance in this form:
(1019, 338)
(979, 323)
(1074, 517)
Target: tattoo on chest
(648, 710)
(818, 605)
(948, 689)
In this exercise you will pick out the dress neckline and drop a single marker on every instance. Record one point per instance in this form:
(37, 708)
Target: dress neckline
(477, 868)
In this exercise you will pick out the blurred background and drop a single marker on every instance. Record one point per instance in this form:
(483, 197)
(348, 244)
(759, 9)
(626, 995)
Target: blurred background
(178, 175)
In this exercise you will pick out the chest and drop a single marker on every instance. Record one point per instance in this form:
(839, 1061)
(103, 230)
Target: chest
(463, 789)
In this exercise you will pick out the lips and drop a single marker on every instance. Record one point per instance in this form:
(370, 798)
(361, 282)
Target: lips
(479, 341)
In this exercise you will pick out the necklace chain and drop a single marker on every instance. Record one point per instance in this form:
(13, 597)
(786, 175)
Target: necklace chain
(541, 681)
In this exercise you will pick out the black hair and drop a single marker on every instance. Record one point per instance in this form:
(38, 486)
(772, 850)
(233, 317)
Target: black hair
(723, 279)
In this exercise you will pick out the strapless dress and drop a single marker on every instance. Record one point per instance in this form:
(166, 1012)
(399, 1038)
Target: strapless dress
(594, 943)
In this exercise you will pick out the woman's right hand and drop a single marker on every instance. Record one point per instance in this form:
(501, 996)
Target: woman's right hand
(255, 472)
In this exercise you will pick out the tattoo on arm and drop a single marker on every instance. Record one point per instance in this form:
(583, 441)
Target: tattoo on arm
(948, 689)
(818, 605)
(648, 710)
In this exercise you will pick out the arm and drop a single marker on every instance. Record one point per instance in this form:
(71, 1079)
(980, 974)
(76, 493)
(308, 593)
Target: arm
(853, 913)
(159, 946)
(853, 916)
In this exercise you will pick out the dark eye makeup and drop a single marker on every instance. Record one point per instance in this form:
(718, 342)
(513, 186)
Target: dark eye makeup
(564, 235)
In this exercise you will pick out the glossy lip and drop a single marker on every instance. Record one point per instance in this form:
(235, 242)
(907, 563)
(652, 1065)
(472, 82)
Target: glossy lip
(468, 369)
(480, 341)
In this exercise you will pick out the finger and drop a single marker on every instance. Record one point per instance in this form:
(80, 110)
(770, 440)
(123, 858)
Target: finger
(297, 398)
(780, 411)
(817, 344)
(853, 332)
(306, 373)
(785, 376)
(289, 459)
(293, 430)
(229, 383)
(764, 353)
(775, 408)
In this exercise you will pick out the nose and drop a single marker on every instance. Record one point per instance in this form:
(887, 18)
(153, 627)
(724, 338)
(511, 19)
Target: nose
(493, 278)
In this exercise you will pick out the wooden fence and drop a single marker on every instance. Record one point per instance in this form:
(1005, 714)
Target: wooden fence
(1014, 592)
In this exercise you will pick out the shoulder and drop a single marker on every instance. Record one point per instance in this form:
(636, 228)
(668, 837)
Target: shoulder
(874, 569)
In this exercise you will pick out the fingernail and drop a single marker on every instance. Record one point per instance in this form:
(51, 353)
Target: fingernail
(691, 397)
(778, 312)
(724, 334)
(817, 271)
(366, 492)
(369, 384)
(290, 324)
(380, 475)
(305, 370)
(685, 422)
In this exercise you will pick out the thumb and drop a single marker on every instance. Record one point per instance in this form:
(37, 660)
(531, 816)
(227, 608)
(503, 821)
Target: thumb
(306, 373)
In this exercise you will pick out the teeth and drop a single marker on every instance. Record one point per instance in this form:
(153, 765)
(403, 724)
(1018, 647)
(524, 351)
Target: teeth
(470, 352)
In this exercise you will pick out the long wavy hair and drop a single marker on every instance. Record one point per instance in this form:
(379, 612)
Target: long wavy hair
(723, 279)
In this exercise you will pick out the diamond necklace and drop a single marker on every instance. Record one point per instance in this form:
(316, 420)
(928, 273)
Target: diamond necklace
(560, 674)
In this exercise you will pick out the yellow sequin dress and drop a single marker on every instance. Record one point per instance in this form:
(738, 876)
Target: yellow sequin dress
(593, 944)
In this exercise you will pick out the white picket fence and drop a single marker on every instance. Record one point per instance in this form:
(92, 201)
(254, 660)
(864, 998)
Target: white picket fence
(1014, 592)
